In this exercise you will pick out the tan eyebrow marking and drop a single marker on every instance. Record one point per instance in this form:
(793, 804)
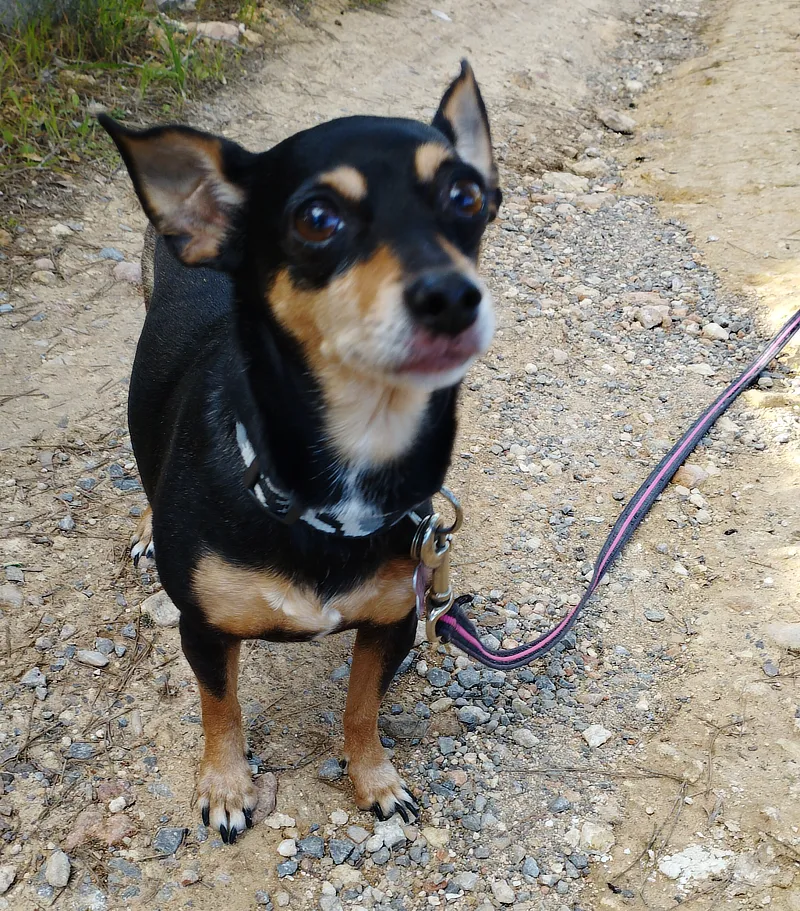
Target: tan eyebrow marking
(347, 181)
(429, 158)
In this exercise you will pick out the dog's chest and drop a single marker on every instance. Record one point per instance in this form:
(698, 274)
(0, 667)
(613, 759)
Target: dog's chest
(253, 603)
(353, 514)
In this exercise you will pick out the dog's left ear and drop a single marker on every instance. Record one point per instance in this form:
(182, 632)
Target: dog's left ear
(463, 120)
(191, 185)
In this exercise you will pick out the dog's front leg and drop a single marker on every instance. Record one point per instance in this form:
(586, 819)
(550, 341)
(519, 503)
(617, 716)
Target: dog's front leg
(378, 652)
(225, 789)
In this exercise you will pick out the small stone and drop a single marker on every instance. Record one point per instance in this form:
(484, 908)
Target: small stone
(525, 738)
(771, 669)
(339, 818)
(60, 230)
(104, 646)
(558, 356)
(168, 839)
(57, 870)
(10, 596)
(596, 735)
(466, 881)
(650, 317)
(161, 610)
(437, 838)
(330, 770)
(472, 822)
(530, 868)
(358, 834)
(716, 332)
(34, 677)
(128, 272)
(280, 821)
(92, 658)
(559, 805)
(190, 877)
(113, 254)
(654, 615)
(217, 31)
(503, 892)
(447, 746)
(340, 673)
(80, 751)
(596, 838)
(441, 705)
(703, 517)
(565, 182)
(312, 846)
(15, 574)
(690, 476)
(287, 868)
(118, 804)
(786, 635)
(8, 873)
(67, 523)
(391, 831)
(287, 848)
(472, 715)
(704, 370)
(340, 849)
(44, 277)
(617, 121)
(437, 677)
(381, 856)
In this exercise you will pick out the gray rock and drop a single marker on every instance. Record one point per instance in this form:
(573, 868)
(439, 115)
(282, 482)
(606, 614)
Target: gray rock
(161, 610)
(8, 873)
(617, 121)
(34, 677)
(447, 746)
(312, 846)
(469, 677)
(113, 254)
(530, 868)
(472, 822)
(330, 770)
(466, 881)
(57, 870)
(358, 834)
(341, 673)
(381, 856)
(14, 574)
(80, 751)
(287, 868)
(525, 738)
(438, 678)
(654, 615)
(559, 805)
(473, 715)
(771, 669)
(104, 646)
(596, 735)
(391, 832)
(503, 892)
(168, 839)
(340, 849)
(10, 596)
(262, 898)
(67, 523)
(92, 658)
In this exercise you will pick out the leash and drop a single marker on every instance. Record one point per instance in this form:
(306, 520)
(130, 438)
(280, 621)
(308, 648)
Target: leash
(446, 620)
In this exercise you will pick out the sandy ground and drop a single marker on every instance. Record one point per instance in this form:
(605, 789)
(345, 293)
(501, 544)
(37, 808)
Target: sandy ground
(702, 703)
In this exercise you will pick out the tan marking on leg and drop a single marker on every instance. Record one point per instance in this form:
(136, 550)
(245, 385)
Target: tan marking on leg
(374, 778)
(428, 158)
(347, 181)
(224, 784)
(142, 550)
(249, 602)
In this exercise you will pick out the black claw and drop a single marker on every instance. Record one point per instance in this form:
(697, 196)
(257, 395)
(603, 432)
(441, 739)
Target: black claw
(402, 809)
(248, 818)
(223, 831)
(232, 836)
(206, 814)
(343, 764)
(136, 560)
(412, 808)
(378, 811)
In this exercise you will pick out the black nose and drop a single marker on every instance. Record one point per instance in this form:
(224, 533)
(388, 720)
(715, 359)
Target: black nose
(444, 303)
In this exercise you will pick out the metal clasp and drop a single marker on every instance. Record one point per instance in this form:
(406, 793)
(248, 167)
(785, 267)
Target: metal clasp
(431, 547)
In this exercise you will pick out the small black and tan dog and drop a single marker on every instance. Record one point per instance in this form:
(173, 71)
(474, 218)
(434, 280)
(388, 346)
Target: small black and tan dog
(293, 399)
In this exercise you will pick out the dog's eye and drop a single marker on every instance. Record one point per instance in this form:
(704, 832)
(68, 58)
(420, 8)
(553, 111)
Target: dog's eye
(317, 221)
(466, 198)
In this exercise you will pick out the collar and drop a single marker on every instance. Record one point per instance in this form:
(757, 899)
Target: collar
(350, 517)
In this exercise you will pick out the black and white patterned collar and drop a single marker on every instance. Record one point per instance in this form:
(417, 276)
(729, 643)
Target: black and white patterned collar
(351, 517)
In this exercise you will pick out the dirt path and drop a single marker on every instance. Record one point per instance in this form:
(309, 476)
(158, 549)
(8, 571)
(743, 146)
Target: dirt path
(561, 421)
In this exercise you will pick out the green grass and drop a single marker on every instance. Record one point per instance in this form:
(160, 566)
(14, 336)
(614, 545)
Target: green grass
(56, 71)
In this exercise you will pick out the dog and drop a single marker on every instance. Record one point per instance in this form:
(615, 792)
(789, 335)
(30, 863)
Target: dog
(311, 313)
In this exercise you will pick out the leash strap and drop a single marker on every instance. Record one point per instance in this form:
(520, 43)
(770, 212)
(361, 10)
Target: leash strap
(455, 626)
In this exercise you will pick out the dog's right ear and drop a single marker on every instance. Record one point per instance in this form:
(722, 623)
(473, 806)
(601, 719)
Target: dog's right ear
(190, 184)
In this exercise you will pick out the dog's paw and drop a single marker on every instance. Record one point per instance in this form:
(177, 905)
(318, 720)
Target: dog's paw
(143, 552)
(227, 797)
(379, 788)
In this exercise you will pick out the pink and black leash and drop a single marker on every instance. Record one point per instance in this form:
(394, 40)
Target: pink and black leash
(456, 628)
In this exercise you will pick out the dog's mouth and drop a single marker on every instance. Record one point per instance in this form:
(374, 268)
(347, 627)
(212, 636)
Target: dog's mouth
(431, 354)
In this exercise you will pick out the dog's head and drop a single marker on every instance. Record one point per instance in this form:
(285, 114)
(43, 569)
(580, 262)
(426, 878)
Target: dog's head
(361, 234)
